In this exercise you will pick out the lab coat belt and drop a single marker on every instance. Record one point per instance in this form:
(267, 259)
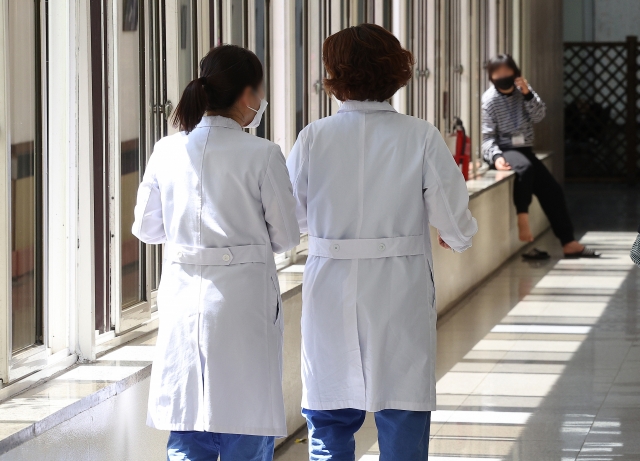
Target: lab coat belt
(366, 248)
(216, 256)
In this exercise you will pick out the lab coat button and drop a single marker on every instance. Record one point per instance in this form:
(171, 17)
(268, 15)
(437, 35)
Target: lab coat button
(179, 254)
(382, 247)
(335, 247)
(226, 258)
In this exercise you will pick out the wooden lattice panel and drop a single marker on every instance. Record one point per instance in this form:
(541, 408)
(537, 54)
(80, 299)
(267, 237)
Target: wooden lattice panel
(596, 111)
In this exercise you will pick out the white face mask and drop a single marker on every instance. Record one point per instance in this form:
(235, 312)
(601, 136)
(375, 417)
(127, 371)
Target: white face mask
(255, 123)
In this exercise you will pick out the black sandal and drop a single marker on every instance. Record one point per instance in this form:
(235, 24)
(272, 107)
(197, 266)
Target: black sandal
(585, 253)
(536, 255)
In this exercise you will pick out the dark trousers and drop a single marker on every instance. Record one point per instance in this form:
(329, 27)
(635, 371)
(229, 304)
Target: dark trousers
(533, 178)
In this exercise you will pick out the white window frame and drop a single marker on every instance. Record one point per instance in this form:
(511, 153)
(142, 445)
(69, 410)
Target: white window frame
(63, 316)
(15, 366)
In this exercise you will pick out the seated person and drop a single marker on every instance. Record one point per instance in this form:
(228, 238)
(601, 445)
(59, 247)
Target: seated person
(509, 110)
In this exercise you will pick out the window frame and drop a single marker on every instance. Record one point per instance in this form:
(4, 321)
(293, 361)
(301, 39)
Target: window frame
(16, 365)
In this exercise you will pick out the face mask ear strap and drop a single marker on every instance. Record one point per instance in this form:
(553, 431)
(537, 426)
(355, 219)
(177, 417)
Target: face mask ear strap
(255, 110)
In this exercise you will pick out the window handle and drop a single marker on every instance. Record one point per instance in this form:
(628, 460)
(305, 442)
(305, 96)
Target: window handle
(164, 109)
(167, 109)
(318, 87)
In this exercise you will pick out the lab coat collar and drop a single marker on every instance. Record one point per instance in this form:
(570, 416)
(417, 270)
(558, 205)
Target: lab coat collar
(366, 106)
(219, 120)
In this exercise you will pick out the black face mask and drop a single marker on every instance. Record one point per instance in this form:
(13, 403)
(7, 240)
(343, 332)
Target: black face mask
(504, 83)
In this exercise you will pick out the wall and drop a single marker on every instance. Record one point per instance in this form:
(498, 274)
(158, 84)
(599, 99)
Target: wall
(495, 242)
(573, 19)
(291, 380)
(111, 431)
(615, 19)
(600, 20)
(543, 67)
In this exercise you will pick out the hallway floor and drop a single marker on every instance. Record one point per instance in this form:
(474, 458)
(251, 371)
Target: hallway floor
(542, 362)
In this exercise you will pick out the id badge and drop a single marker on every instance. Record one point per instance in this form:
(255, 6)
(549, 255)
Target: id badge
(517, 140)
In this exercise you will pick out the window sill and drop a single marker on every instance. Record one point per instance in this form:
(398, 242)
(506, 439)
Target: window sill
(36, 369)
(73, 391)
(487, 179)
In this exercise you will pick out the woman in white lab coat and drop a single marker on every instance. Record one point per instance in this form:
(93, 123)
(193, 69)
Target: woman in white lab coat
(220, 198)
(368, 182)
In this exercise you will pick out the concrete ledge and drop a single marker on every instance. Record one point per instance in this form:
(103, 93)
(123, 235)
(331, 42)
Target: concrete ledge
(491, 202)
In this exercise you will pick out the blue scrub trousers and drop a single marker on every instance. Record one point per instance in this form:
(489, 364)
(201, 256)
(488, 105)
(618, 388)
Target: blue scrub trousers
(402, 435)
(206, 446)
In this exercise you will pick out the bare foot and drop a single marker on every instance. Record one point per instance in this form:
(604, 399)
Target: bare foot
(573, 248)
(524, 230)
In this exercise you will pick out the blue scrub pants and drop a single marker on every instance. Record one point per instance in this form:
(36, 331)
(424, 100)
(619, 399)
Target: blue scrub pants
(402, 435)
(206, 446)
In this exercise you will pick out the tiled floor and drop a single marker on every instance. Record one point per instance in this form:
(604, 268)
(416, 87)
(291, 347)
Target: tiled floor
(543, 361)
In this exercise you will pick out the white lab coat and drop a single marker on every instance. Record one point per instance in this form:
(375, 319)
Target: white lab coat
(221, 200)
(368, 180)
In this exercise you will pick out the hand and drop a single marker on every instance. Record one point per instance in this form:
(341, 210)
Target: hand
(502, 164)
(442, 243)
(522, 85)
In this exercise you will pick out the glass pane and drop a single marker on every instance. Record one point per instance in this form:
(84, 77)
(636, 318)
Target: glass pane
(26, 309)
(301, 56)
(237, 33)
(130, 146)
(314, 61)
(186, 55)
(99, 108)
(262, 51)
(215, 23)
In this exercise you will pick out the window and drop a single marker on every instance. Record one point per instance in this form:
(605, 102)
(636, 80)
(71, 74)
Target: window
(187, 43)
(25, 103)
(262, 47)
(131, 142)
(301, 51)
(417, 43)
(142, 112)
(100, 146)
(452, 68)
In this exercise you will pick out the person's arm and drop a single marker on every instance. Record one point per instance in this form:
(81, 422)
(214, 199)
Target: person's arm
(534, 106)
(446, 195)
(148, 225)
(490, 150)
(298, 165)
(278, 204)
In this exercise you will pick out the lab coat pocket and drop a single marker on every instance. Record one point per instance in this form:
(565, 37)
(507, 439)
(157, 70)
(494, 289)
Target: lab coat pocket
(433, 284)
(276, 286)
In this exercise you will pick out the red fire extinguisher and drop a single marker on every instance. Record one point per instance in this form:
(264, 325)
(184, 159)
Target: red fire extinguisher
(462, 154)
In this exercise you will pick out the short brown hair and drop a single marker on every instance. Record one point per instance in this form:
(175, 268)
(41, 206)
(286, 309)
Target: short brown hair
(365, 62)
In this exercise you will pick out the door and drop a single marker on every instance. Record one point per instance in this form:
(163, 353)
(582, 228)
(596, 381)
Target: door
(156, 57)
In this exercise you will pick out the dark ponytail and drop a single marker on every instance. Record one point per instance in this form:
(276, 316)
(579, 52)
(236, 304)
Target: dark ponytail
(225, 72)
